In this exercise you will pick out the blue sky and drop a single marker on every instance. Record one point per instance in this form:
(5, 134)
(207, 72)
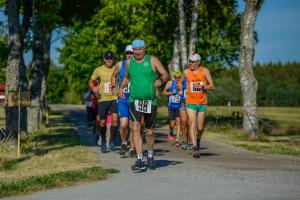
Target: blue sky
(277, 27)
(278, 31)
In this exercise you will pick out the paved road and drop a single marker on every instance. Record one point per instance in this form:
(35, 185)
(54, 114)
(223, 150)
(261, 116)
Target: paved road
(223, 172)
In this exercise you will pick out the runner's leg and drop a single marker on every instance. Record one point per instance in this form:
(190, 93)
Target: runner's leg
(192, 124)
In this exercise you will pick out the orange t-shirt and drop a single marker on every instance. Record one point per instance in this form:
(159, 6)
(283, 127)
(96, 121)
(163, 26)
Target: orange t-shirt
(195, 82)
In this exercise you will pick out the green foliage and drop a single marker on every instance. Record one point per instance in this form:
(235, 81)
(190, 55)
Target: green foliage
(218, 33)
(278, 85)
(117, 22)
(56, 85)
(112, 28)
(47, 12)
(3, 58)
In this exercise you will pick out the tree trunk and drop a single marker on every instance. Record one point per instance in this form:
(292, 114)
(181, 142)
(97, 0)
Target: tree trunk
(182, 32)
(175, 62)
(15, 69)
(47, 43)
(36, 73)
(193, 37)
(249, 84)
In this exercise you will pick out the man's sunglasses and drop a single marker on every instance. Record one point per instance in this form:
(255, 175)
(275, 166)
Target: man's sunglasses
(129, 52)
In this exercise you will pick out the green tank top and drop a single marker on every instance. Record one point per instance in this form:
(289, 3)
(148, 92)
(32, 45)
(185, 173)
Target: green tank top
(142, 79)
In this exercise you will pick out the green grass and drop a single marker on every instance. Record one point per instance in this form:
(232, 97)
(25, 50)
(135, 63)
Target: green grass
(53, 157)
(67, 178)
(225, 125)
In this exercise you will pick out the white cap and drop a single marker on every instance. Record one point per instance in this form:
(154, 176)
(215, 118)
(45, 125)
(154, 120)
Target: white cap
(195, 57)
(129, 48)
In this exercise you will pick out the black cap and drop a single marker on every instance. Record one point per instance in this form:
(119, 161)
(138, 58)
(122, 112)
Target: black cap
(108, 54)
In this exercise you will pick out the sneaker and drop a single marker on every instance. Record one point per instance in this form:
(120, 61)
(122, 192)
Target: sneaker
(103, 149)
(132, 153)
(107, 147)
(170, 137)
(151, 163)
(112, 146)
(184, 146)
(123, 150)
(177, 144)
(138, 166)
(190, 147)
(196, 152)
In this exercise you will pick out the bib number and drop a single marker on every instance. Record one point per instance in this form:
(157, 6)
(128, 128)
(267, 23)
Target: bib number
(197, 86)
(174, 98)
(143, 106)
(107, 88)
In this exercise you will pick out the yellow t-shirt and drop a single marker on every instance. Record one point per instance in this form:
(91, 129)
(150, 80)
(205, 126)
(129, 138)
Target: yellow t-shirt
(103, 74)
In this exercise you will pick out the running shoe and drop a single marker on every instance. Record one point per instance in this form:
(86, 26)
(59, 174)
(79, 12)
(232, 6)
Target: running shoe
(108, 148)
(177, 144)
(151, 163)
(103, 149)
(170, 137)
(112, 146)
(123, 150)
(184, 146)
(138, 166)
(132, 153)
(196, 152)
(190, 147)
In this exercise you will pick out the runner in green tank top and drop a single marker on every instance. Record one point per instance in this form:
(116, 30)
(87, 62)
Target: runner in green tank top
(141, 71)
(142, 79)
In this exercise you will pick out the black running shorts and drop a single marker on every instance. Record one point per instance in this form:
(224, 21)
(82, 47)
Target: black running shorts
(105, 106)
(150, 118)
(173, 114)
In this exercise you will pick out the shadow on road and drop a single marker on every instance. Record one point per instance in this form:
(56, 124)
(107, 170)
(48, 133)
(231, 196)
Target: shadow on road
(165, 163)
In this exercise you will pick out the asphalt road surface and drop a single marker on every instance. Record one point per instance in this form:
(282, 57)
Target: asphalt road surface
(222, 172)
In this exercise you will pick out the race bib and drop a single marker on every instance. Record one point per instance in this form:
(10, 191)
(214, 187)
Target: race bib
(174, 98)
(143, 106)
(107, 88)
(197, 86)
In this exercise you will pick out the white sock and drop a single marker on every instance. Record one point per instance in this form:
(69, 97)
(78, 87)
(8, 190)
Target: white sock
(140, 156)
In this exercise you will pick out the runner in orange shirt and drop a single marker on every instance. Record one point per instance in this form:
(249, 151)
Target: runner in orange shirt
(199, 80)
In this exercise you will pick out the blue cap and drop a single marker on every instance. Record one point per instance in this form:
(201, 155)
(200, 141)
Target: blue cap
(138, 43)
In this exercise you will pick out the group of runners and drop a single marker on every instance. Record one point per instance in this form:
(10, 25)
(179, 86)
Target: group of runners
(129, 92)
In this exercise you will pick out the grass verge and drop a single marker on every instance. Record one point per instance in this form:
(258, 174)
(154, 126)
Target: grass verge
(67, 178)
(53, 157)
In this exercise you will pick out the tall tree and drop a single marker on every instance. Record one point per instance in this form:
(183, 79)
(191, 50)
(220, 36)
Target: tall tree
(249, 84)
(15, 69)
(193, 36)
(182, 31)
(45, 17)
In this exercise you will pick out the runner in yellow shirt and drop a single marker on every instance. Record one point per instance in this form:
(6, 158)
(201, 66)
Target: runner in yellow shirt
(107, 101)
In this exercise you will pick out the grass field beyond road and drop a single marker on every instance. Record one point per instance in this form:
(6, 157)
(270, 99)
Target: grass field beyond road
(279, 128)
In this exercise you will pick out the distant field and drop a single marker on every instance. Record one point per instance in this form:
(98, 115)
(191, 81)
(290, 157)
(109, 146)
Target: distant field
(282, 118)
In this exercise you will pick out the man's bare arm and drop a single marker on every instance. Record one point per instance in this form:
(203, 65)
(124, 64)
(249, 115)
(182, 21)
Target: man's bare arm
(210, 83)
(161, 70)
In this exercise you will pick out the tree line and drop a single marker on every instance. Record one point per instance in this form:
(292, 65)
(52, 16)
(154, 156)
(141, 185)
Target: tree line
(278, 85)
